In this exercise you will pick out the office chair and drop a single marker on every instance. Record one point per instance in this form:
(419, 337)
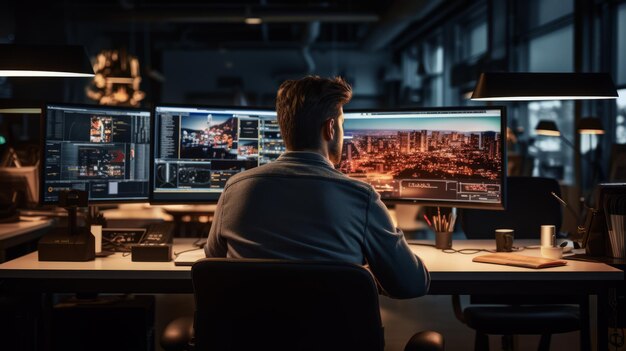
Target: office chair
(252, 304)
(529, 205)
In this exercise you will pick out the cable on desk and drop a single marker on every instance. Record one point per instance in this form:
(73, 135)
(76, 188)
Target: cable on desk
(188, 250)
(200, 242)
(475, 251)
(470, 251)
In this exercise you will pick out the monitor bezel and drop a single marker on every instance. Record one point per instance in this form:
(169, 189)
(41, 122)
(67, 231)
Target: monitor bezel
(458, 204)
(210, 197)
(42, 149)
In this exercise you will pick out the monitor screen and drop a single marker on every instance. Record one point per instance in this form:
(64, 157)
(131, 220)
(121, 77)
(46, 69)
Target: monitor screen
(99, 149)
(197, 149)
(452, 156)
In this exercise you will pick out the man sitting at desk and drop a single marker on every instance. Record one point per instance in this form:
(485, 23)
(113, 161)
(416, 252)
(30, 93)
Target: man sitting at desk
(300, 207)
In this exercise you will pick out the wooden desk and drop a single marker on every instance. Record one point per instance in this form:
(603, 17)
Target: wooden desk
(22, 232)
(450, 274)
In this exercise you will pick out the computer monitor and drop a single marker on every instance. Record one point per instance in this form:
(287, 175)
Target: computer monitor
(99, 149)
(196, 149)
(453, 156)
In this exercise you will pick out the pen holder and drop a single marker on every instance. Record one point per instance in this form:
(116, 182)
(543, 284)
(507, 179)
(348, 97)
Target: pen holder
(443, 240)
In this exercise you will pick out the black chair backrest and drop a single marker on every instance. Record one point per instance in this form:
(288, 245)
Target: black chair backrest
(251, 304)
(529, 205)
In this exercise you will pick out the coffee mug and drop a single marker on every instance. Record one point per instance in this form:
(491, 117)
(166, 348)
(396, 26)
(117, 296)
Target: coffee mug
(504, 240)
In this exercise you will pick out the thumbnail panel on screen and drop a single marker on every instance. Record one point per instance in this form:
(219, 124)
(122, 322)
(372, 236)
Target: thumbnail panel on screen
(197, 149)
(445, 156)
(102, 150)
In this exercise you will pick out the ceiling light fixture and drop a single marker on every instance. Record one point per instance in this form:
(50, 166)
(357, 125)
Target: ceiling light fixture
(253, 20)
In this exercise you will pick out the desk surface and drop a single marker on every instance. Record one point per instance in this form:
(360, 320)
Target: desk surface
(458, 266)
(9, 230)
(442, 267)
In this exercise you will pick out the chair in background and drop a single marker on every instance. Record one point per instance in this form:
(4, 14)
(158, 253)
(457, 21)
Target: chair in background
(250, 304)
(529, 205)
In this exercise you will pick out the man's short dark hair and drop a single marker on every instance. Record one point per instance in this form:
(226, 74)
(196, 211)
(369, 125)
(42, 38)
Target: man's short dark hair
(304, 105)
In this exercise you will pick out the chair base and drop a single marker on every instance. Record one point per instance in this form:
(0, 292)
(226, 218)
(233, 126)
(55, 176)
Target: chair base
(425, 341)
(178, 334)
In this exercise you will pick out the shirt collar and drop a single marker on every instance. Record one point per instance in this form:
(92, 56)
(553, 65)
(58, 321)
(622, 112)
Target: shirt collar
(306, 157)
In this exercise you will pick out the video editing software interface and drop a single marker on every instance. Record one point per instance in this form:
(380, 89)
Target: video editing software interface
(197, 149)
(452, 156)
(102, 150)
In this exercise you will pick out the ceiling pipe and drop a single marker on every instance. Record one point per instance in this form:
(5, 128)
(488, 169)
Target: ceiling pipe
(221, 16)
(309, 36)
(397, 19)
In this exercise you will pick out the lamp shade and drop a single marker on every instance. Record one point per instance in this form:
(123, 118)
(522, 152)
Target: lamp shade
(589, 125)
(44, 61)
(516, 86)
(18, 106)
(547, 128)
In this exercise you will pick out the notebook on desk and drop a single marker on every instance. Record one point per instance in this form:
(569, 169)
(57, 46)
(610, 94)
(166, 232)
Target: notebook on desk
(512, 259)
(189, 258)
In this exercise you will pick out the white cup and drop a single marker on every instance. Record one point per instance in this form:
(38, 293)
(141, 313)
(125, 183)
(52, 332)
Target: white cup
(552, 252)
(96, 231)
(548, 236)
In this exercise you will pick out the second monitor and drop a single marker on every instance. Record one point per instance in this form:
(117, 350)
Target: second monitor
(452, 156)
(197, 149)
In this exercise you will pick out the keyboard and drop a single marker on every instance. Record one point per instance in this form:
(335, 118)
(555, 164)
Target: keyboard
(189, 258)
(161, 232)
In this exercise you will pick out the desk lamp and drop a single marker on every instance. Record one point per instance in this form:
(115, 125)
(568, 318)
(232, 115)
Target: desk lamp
(44, 61)
(526, 86)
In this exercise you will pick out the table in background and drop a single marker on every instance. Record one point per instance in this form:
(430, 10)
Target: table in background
(190, 220)
(24, 233)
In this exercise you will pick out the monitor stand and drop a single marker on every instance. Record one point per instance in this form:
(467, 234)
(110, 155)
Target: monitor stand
(406, 217)
(73, 243)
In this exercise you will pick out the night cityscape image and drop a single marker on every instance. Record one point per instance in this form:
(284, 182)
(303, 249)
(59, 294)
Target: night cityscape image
(454, 158)
(210, 136)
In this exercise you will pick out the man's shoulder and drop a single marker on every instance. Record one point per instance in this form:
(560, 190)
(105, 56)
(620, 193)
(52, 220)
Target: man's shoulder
(285, 170)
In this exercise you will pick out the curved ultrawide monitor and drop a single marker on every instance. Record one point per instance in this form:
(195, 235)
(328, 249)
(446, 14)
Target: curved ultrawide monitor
(452, 156)
(196, 149)
(102, 150)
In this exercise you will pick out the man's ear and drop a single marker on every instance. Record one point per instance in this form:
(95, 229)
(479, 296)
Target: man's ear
(329, 129)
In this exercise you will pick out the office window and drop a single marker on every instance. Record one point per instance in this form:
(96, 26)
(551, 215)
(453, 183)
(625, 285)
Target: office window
(541, 12)
(621, 45)
(409, 68)
(552, 157)
(433, 81)
(620, 122)
(552, 52)
(478, 40)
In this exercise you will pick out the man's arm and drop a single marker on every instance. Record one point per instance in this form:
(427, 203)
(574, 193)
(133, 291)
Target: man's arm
(215, 244)
(400, 273)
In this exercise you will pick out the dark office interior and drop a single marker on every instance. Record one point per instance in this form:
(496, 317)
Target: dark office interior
(494, 132)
